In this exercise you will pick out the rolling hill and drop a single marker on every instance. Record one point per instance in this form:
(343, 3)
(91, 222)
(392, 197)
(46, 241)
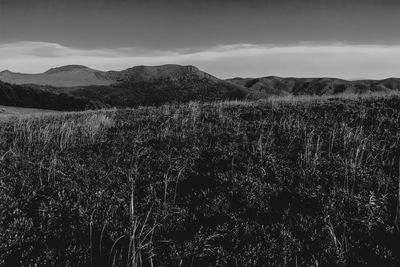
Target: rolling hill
(80, 76)
(267, 86)
(6, 111)
(141, 85)
(83, 87)
(161, 84)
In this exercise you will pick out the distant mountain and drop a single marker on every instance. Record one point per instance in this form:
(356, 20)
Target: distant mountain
(158, 85)
(141, 85)
(78, 76)
(165, 72)
(267, 86)
(83, 87)
(66, 76)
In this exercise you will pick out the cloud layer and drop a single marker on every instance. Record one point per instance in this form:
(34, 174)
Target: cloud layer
(246, 60)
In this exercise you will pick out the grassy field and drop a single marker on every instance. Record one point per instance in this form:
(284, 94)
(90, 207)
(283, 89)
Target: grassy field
(280, 183)
(10, 111)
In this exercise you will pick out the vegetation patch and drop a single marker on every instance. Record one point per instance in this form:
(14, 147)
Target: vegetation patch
(311, 182)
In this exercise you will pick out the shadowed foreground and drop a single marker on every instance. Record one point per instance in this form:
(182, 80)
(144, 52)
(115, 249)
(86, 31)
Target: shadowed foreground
(237, 183)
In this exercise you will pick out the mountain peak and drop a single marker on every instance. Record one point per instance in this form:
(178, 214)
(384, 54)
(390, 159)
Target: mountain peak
(78, 75)
(168, 71)
(66, 68)
(64, 76)
(166, 68)
(6, 72)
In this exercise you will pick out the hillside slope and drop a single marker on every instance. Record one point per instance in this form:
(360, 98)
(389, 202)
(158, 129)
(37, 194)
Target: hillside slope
(162, 84)
(10, 110)
(267, 86)
(157, 85)
(141, 85)
(23, 96)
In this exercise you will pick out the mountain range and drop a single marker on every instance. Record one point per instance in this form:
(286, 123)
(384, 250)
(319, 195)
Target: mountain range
(76, 87)
(272, 85)
(80, 76)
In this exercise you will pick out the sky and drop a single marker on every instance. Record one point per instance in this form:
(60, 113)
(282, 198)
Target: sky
(349, 39)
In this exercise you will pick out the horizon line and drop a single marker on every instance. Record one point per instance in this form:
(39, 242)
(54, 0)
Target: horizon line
(303, 59)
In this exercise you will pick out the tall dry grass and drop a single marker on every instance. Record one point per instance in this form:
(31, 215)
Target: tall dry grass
(59, 131)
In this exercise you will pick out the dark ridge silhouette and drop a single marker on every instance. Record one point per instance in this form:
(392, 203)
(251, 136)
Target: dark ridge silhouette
(22, 96)
(162, 91)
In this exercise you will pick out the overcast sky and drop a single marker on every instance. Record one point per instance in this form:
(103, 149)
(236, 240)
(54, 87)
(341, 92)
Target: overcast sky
(342, 38)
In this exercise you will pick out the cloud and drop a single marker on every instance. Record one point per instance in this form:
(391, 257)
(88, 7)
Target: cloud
(302, 59)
